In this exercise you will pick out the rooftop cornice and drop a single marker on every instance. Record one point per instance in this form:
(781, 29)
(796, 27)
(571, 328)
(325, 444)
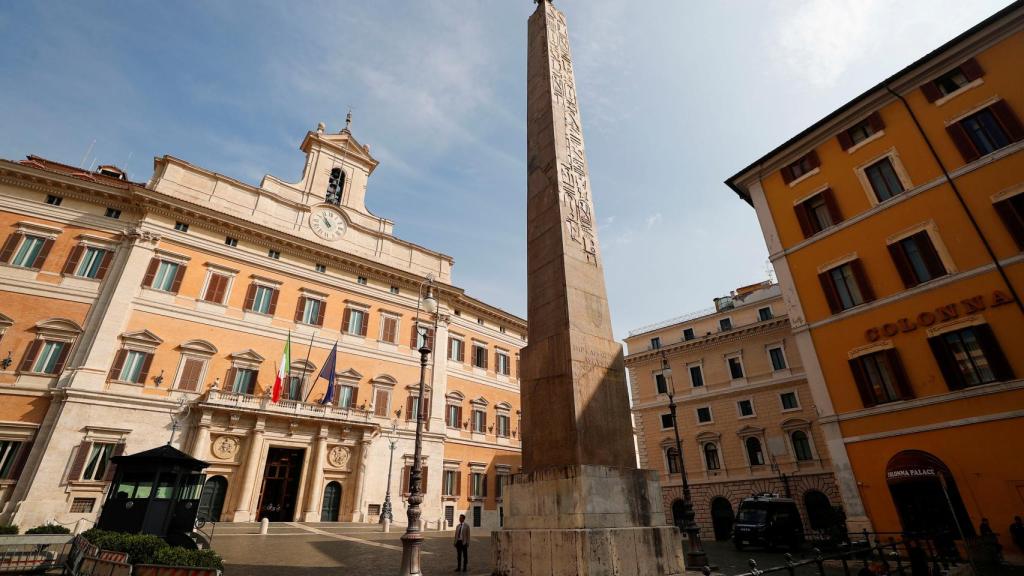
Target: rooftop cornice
(702, 342)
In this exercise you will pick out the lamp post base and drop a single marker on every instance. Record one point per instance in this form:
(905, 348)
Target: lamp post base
(411, 543)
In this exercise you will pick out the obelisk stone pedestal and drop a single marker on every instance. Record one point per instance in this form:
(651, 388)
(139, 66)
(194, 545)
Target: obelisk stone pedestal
(581, 507)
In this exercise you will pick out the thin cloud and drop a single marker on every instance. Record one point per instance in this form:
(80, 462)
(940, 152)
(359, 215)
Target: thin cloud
(653, 220)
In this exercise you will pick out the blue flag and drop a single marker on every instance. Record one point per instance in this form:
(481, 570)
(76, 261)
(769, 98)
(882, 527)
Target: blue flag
(328, 372)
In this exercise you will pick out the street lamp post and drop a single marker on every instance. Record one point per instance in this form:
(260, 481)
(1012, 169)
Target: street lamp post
(696, 556)
(386, 516)
(412, 540)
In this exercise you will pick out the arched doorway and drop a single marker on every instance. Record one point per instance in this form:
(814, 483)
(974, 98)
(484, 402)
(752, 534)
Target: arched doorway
(211, 501)
(332, 503)
(722, 518)
(926, 496)
(678, 518)
(820, 515)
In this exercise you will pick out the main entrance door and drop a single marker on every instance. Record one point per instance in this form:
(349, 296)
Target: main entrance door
(280, 485)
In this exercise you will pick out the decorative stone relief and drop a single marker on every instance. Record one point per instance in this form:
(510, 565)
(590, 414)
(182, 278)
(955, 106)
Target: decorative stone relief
(225, 447)
(339, 456)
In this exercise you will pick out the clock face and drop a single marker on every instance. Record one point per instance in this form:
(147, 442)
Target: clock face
(327, 224)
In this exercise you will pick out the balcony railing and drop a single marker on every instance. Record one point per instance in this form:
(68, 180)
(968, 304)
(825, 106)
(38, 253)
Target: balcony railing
(228, 399)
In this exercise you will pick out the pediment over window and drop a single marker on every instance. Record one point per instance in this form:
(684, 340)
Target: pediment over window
(58, 327)
(481, 401)
(5, 321)
(142, 338)
(750, 431)
(503, 406)
(384, 380)
(350, 374)
(198, 347)
(248, 355)
(795, 424)
(708, 437)
(455, 396)
(303, 366)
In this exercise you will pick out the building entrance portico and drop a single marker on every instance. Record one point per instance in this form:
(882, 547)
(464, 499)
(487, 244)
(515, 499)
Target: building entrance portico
(280, 484)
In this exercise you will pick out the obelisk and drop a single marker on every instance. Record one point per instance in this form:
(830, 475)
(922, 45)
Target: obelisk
(580, 506)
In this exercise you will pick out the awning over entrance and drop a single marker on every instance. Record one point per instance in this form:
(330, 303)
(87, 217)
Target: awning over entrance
(913, 466)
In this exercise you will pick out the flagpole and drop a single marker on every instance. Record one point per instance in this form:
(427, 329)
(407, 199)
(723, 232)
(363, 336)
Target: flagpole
(308, 351)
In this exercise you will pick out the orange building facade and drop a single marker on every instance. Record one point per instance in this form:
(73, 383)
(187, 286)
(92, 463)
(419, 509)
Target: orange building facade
(133, 315)
(896, 228)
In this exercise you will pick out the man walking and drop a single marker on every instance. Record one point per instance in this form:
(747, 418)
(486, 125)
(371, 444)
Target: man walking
(462, 544)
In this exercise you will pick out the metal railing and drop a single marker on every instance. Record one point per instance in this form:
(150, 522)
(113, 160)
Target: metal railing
(33, 553)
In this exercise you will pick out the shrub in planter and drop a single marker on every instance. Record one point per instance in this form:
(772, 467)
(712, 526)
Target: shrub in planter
(175, 556)
(48, 529)
(148, 549)
(8, 530)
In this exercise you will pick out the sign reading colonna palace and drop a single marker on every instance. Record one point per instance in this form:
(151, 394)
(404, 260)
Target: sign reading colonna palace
(132, 314)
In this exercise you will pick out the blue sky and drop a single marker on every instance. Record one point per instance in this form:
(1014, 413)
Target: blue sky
(675, 97)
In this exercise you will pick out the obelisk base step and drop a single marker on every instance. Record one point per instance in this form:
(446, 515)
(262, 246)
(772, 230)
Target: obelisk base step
(586, 520)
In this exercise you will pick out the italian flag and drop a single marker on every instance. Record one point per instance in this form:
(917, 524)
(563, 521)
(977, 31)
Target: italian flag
(284, 370)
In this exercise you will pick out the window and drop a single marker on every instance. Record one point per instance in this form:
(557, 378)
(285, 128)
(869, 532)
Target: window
(112, 213)
(82, 505)
(347, 396)
(89, 262)
(666, 421)
(818, 213)
(801, 167)
(453, 416)
(696, 376)
(660, 383)
(165, 276)
(711, 456)
(764, 314)
(480, 321)
(672, 457)
(321, 268)
(389, 329)
(883, 179)
(503, 425)
(846, 286)
(1011, 210)
(9, 452)
(413, 409)
(477, 513)
(746, 407)
(134, 366)
(951, 81)
(655, 343)
(30, 254)
(293, 391)
(688, 334)
(261, 299)
(456, 349)
(500, 481)
(191, 373)
(861, 131)
(97, 461)
(501, 362)
(229, 241)
(450, 483)
(478, 486)
(778, 358)
(53, 200)
(275, 254)
(735, 368)
(311, 311)
(969, 357)
(725, 324)
(480, 356)
(801, 446)
(754, 454)
(501, 329)
(916, 259)
(361, 280)
(244, 381)
(335, 185)
(479, 421)
(51, 358)
(423, 335)
(373, 510)
(216, 288)
(181, 226)
(789, 401)
(986, 131)
(880, 378)
(394, 289)
(703, 414)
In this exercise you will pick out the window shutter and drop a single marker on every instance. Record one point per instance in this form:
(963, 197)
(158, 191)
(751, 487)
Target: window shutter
(178, 277)
(229, 379)
(875, 122)
(406, 471)
(250, 296)
(364, 324)
(190, 374)
(115, 368)
(812, 159)
(804, 219)
(412, 340)
(993, 352)
(1013, 221)
(963, 142)
(830, 203)
(43, 253)
(9, 246)
(931, 257)
(299, 308)
(462, 352)
(899, 258)
(458, 483)
(62, 358)
(73, 258)
(147, 280)
(430, 338)
(108, 257)
(902, 382)
(1006, 117)
(380, 403)
(144, 373)
(787, 174)
(23, 451)
(862, 280)
(830, 291)
(972, 70)
(30, 355)
(483, 480)
(931, 91)
(320, 313)
(947, 363)
(845, 142)
(408, 408)
(111, 467)
(423, 479)
(863, 387)
(484, 358)
(78, 464)
(345, 318)
(254, 382)
(273, 301)
(449, 346)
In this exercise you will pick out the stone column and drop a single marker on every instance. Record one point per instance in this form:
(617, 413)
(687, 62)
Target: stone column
(439, 375)
(358, 504)
(90, 361)
(316, 477)
(244, 506)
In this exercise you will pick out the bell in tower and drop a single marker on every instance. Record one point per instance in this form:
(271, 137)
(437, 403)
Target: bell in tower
(335, 186)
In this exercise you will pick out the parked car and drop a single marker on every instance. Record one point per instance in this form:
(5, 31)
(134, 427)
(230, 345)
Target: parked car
(768, 520)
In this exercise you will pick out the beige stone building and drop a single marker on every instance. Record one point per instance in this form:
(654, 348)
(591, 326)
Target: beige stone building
(746, 420)
(126, 307)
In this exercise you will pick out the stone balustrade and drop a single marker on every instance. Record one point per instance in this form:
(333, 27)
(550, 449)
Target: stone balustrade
(293, 408)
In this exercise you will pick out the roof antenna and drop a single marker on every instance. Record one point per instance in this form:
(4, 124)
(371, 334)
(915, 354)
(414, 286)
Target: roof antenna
(86, 155)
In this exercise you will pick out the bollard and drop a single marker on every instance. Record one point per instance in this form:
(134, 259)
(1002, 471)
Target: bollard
(790, 568)
(753, 567)
(386, 525)
(264, 526)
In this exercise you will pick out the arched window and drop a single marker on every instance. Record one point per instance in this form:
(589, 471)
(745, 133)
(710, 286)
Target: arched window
(801, 445)
(754, 454)
(335, 186)
(672, 455)
(711, 456)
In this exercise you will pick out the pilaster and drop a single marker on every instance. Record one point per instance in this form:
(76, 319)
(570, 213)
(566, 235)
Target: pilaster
(439, 375)
(316, 477)
(254, 456)
(359, 506)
